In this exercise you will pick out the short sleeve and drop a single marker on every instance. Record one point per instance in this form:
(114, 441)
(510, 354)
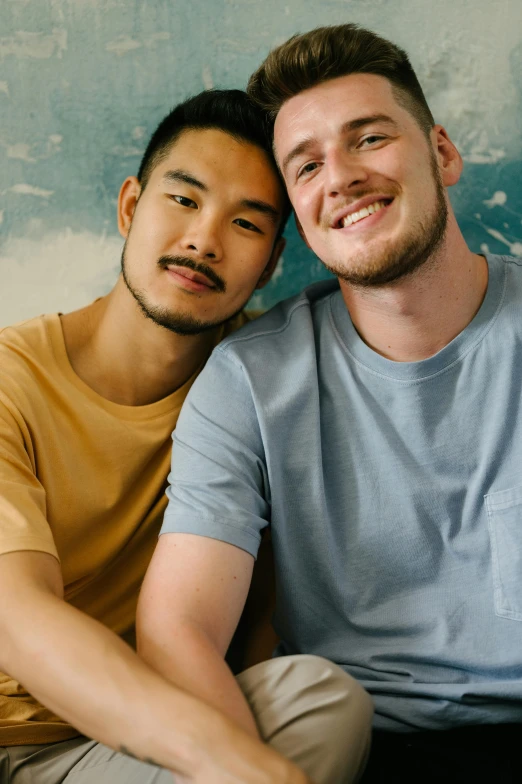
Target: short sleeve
(218, 482)
(23, 523)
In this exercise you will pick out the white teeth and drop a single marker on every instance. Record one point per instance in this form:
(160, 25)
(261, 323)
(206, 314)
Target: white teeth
(364, 213)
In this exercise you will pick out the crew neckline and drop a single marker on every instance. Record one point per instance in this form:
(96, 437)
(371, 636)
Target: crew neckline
(453, 352)
(149, 411)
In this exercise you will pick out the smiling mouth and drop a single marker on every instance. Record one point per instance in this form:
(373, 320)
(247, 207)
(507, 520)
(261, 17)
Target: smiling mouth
(365, 212)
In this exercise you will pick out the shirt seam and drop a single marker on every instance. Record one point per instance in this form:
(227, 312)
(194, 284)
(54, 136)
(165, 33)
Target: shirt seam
(262, 333)
(226, 522)
(416, 381)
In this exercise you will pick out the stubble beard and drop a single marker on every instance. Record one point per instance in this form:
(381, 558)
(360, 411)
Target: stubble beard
(179, 322)
(404, 257)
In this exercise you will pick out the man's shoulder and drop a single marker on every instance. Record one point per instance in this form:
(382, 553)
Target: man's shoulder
(512, 263)
(505, 271)
(25, 347)
(285, 322)
(31, 333)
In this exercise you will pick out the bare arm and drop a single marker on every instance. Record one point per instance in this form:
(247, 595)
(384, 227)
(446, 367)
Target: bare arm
(189, 607)
(87, 675)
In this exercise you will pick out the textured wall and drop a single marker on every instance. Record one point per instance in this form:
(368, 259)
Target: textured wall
(83, 83)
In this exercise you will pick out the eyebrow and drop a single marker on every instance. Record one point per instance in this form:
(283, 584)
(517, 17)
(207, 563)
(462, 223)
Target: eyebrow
(347, 127)
(262, 207)
(179, 175)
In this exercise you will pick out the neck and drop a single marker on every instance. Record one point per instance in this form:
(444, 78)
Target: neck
(415, 317)
(127, 358)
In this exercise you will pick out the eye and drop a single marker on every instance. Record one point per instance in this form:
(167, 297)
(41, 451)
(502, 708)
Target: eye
(372, 140)
(185, 202)
(244, 224)
(307, 168)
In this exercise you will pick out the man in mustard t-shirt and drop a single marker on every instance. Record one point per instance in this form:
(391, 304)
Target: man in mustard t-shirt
(88, 401)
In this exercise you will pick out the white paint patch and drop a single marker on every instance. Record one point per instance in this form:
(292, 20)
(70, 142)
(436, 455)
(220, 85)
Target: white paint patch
(255, 302)
(37, 46)
(1, 217)
(278, 270)
(206, 75)
(20, 152)
(153, 39)
(126, 152)
(138, 133)
(122, 45)
(484, 247)
(478, 216)
(4, 88)
(498, 199)
(24, 189)
(490, 156)
(56, 138)
(41, 278)
(515, 248)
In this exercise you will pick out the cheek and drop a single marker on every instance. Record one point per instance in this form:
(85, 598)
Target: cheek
(307, 205)
(156, 226)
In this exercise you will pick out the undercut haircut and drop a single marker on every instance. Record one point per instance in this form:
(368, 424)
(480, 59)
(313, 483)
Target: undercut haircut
(326, 53)
(229, 111)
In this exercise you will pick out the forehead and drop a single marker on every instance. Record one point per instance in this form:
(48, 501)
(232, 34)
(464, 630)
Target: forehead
(328, 106)
(222, 163)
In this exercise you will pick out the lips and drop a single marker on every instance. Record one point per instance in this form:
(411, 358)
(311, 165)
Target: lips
(189, 274)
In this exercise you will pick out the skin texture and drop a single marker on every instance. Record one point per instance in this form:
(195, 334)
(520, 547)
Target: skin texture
(208, 228)
(406, 274)
(213, 228)
(387, 158)
(67, 660)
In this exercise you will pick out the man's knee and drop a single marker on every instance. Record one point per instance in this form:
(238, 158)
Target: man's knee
(312, 712)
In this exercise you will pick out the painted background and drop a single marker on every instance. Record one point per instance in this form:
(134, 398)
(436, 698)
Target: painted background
(84, 82)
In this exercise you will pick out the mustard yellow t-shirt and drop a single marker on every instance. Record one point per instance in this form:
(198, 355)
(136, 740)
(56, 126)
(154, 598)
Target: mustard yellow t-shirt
(83, 479)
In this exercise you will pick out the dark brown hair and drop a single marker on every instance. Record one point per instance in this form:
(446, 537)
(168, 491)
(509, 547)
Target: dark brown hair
(326, 53)
(230, 111)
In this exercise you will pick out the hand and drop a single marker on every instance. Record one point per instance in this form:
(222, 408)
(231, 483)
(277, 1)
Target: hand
(237, 758)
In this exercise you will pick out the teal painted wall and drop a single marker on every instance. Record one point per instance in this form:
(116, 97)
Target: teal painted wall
(84, 82)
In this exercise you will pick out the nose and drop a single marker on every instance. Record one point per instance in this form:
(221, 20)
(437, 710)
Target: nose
(203, 238)
(344, 171)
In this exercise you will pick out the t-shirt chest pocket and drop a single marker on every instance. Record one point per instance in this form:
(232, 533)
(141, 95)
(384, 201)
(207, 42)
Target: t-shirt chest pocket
(504, 511)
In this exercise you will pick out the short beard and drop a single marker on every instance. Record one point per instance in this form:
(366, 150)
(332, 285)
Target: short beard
(178, 322)
(406, 258)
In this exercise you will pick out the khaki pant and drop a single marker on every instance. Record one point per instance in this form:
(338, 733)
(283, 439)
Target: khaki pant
(305, 707)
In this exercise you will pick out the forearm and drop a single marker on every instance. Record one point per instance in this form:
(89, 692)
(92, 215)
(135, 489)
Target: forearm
(188, 659)
(88, 676)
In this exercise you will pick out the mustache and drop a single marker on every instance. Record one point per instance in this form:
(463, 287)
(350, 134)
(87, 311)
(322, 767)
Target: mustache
(203, 269)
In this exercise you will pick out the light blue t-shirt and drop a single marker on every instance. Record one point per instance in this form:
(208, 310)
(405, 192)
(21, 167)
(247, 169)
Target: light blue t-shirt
(394, 492)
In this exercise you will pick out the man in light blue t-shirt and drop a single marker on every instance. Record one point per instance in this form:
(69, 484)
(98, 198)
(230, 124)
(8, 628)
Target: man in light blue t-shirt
(374, 423)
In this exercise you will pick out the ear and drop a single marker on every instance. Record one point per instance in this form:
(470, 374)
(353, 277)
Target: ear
(300, 230)
(448, 157)
(269, 270)
(127, 200)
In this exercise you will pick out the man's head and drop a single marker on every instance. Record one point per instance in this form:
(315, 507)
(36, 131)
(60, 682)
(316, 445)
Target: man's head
(203, 219)
(363, 162)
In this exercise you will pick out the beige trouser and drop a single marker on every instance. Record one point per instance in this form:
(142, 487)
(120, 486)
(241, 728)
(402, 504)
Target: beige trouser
(305, 707)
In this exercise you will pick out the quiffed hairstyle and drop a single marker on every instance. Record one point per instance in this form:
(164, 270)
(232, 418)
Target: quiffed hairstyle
(329, 52)
(230, 111)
